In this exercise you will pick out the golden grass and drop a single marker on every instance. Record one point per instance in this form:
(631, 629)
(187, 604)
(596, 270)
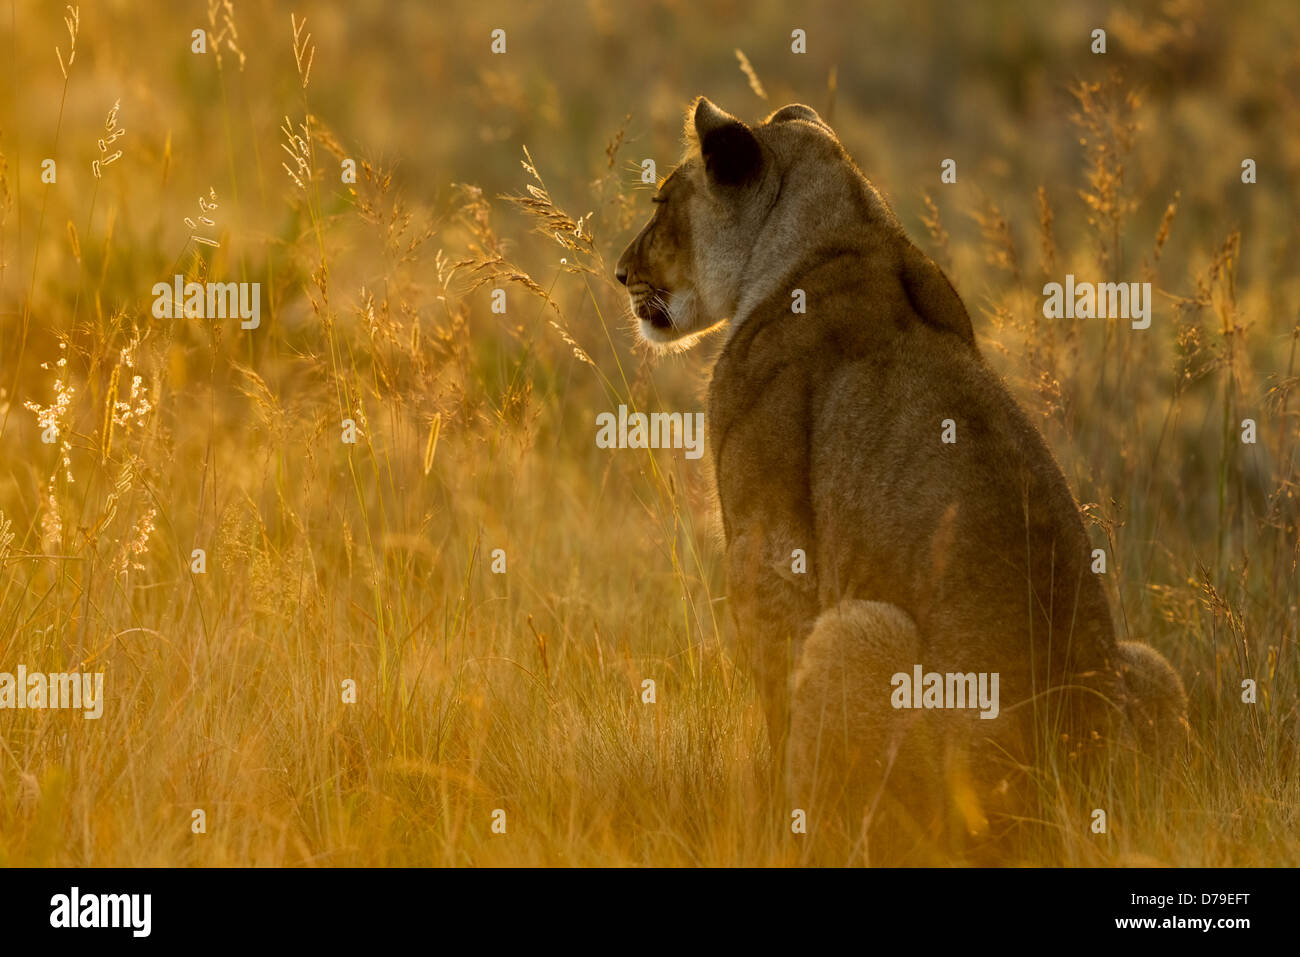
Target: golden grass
(373, 562)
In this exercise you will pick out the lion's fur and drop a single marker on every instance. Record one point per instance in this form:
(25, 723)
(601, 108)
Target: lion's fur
(825, 431)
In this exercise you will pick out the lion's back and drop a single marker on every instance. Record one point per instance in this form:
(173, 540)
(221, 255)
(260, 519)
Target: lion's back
(930, 480)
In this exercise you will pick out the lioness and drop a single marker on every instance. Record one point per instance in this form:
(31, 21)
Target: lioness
(826, 429)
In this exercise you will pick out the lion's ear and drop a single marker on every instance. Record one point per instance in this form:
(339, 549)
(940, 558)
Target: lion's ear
(731, 153)
(797, 111)
(931, 294)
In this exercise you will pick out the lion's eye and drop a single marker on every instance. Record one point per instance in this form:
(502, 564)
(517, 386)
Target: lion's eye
(658, 199)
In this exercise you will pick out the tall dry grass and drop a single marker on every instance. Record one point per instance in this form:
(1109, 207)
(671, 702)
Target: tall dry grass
(373, 562)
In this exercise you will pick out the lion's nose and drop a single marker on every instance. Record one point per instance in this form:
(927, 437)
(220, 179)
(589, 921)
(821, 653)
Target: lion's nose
(620, 273)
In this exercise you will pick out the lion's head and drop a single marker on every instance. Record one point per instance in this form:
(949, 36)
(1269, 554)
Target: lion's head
(729, 218)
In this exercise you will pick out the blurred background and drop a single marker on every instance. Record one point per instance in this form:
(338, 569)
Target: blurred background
(373, 562)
